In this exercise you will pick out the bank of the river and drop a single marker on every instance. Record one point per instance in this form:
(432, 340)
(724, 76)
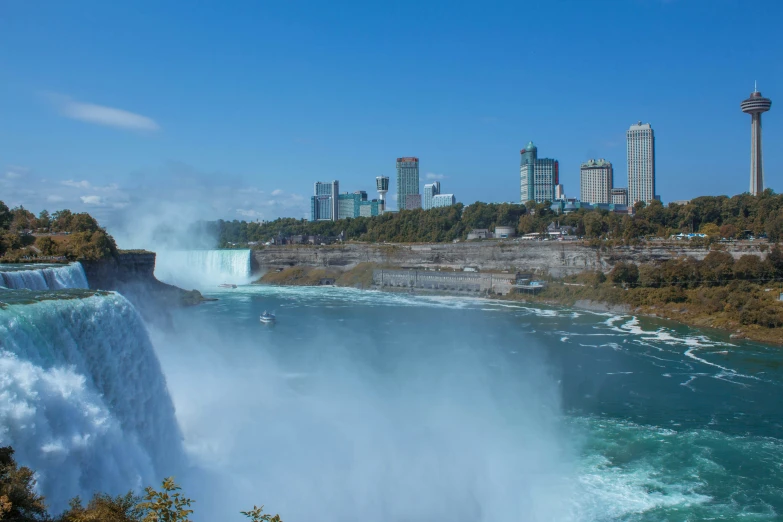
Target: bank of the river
(715, 307)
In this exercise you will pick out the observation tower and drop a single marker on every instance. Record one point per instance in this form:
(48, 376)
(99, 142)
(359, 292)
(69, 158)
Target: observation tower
(754, 106)
(382, 183)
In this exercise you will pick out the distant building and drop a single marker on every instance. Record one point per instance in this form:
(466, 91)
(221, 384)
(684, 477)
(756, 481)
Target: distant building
(382, 184)
(324, 204)
(504, 232)
(348, 204)
(412, 202)
(430, 190)
(370, 208)
(538, 176)
(619, 196)
(559, 192)
(480, 233)
(596, 180)
(680, 202)
(755, 105)
(407, 181)
(443, 200)
(641, 163)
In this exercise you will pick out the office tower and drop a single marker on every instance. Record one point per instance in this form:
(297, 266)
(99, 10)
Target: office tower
(619, 196)
(641, 163)
(324, 204)
(430, 190)
(382, 183)
(412, 201)
(407, 181)
(538, 176)
(370, 208)
(596, 180)
(443, 200)
(559, 192)
(754, 106)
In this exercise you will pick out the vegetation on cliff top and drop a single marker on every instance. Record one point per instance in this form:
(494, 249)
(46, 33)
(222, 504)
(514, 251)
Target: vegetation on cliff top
(62, 235)
(19, 501)
(718, 217)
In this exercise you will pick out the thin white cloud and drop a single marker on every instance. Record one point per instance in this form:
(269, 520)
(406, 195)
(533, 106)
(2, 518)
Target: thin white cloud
(55, 199)
(102, 115)
(249, 213)
(435, 177)
(13, 175)
(83, 184)
(277, 192)
(92, 200)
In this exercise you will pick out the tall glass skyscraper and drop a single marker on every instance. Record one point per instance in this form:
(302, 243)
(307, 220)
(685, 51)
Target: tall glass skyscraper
(407, 180)
(538, 176)
(324, 204)
(641, 163)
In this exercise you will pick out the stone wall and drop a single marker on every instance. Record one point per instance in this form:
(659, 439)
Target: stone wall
(447, 282)
(553, 257)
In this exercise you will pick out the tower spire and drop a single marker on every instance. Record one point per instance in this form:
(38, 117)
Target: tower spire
(755, 86)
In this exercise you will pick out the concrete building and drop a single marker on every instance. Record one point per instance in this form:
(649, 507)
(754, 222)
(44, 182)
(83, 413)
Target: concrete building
(443, 200)
(430, 190)
(641, 163)
(559, 192)
(538, 176)
(407, 181)
(412, 202)
(619, 196)
(382, 184)
(755, 105)
(596, 179)
(324, 204)
(446, 282)
(502, 232)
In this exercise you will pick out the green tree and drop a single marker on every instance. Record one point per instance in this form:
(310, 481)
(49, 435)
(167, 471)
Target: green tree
(18, 500)
(625, 273)
(167, 505)
(257, 515)
(46, 245)
(5, 216)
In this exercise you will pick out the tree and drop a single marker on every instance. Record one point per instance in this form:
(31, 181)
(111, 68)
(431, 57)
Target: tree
(625, 273)
(167, 505)
(18, 500)
(46, 245)
(5, 216)
(44, 220)
(105, 508)
(728, 231)
(257, 515)
(710, 229)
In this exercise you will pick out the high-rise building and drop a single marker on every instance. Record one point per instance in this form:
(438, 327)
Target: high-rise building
(407, 180)
(430, 190)
(382, 184)
(619, 196)
(324, 204)
(596, 180)
(641, 163)
(370, 208)
(754, 106)
(559, 192)
(443, 200)
(538, 176)
(412, 201)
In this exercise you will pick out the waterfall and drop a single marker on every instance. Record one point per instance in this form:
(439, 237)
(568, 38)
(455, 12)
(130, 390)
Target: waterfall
(83, 400)
(203, 268)
(48, 278)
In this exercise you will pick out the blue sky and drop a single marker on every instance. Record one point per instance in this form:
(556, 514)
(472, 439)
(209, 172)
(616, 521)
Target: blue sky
(234, 109)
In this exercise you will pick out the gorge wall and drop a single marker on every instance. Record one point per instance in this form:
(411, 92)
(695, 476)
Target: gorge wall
(553, 257)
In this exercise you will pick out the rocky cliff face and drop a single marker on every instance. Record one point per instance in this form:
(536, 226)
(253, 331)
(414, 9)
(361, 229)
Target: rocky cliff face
(133, 275)
(554, 257)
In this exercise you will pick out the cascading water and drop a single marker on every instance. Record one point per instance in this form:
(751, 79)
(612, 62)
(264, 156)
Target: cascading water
(203, 268)
(82, 397)
(48, 278)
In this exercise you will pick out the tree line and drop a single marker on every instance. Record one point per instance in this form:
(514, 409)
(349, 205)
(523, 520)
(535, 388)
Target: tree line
(19, 501)
(717, 216)
(23, 235)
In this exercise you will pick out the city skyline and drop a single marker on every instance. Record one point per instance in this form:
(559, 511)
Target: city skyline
(102, 122)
